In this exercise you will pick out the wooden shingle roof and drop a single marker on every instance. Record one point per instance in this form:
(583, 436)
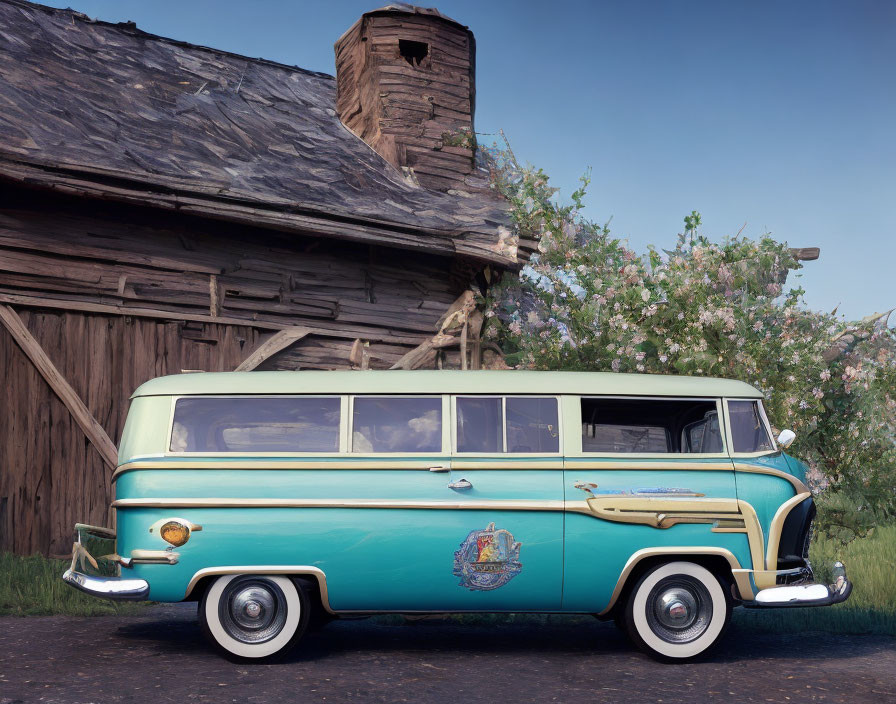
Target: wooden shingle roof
(109, 111)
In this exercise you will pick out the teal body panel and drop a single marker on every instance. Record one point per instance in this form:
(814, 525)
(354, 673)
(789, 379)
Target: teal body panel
(374, 559)
(597, 550)
(796, 467)
(765, 493)
(384, 559)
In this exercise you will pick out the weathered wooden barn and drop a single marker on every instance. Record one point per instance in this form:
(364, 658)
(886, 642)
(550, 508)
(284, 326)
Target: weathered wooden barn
(169, 207)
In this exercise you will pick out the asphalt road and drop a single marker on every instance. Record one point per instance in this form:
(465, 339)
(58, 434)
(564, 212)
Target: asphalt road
(161, 657)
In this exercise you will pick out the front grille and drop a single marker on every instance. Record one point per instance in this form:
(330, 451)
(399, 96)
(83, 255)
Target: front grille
(809, 537)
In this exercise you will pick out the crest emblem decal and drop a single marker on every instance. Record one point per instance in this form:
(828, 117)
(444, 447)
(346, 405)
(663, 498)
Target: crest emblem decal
(487, 559)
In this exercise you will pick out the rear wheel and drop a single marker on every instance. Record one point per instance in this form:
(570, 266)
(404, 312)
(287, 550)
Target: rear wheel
(254, 617)
(677, 611)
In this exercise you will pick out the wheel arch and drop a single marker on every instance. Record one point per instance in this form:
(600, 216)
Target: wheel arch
(313, 576)
(719, 561)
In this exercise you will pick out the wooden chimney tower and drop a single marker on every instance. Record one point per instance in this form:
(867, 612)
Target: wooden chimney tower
(405, 80)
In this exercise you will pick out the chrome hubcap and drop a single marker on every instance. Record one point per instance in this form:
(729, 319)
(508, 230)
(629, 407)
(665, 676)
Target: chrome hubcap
(679, 609)
(252, 610)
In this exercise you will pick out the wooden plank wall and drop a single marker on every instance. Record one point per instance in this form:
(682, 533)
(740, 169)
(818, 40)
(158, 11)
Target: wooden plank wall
(56, 251)
(50, 475)
(145, 259)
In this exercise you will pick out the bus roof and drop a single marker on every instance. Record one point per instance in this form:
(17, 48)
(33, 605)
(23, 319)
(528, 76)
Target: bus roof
(442, 382)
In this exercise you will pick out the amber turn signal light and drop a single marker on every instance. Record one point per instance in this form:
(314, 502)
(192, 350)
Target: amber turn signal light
(175, 532)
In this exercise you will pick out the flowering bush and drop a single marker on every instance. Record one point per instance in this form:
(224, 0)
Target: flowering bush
(587, 301)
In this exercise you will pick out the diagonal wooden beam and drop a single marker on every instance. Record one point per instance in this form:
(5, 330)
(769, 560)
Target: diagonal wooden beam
(82, 415)
(455, 319)
(272, 346)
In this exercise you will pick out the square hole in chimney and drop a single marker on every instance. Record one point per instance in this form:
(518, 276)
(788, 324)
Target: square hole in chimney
(413, 52)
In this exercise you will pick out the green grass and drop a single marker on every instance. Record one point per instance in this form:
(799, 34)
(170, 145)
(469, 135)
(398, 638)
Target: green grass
(870, 565)
(33, 586)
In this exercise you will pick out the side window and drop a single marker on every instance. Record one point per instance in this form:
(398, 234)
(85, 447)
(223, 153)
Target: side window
(395, 424)
(748, 431)
(614, 425)
(480, 424)
(259, 424)
(529, 424)
(532, 425)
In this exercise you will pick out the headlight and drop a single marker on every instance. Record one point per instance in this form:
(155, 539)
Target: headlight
(174, 531)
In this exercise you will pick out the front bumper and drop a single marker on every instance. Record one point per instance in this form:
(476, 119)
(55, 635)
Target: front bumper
(799, 595)
(108, 587)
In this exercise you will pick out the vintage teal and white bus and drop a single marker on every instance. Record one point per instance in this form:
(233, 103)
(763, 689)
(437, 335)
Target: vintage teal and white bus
(277, 498)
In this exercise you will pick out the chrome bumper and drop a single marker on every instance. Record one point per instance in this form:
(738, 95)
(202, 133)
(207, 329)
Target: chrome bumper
(108, 587)
(804, 594)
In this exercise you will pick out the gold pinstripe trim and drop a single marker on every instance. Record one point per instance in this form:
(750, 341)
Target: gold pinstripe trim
(754, 534)
(641, 464)
(361, 464)
(546, 462)
(555, 463)
(798, 486)
(501, 505)
(665, 512)
(777, 526)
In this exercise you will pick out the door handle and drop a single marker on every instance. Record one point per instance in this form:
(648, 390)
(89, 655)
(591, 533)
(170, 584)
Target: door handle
(460, 485)
(439, 469)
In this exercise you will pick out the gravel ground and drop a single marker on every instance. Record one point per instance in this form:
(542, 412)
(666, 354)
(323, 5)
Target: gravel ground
(161, 657)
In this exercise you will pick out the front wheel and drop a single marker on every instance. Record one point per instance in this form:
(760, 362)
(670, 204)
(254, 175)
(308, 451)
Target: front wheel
(254, 617)
(677, 612)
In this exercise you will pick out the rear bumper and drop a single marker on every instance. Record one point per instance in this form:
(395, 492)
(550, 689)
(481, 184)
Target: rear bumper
(96, 568)
(108, 587)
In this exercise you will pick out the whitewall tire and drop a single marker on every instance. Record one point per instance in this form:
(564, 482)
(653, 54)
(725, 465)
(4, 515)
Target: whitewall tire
(254, 617)
(677, 611)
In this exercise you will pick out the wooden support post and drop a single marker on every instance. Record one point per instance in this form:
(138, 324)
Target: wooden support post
(275, 344)
(82, 415)
(476, 321)
(215, 297)
(359, 357)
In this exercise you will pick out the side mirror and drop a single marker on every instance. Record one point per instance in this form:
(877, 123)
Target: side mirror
(786, 438)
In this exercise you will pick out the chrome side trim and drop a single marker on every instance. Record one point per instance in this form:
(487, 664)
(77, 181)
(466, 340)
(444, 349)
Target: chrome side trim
(153, 557)
(315, 572)
(108, 587)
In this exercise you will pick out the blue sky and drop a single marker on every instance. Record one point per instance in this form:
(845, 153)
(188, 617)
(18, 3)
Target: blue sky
(780, 115)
